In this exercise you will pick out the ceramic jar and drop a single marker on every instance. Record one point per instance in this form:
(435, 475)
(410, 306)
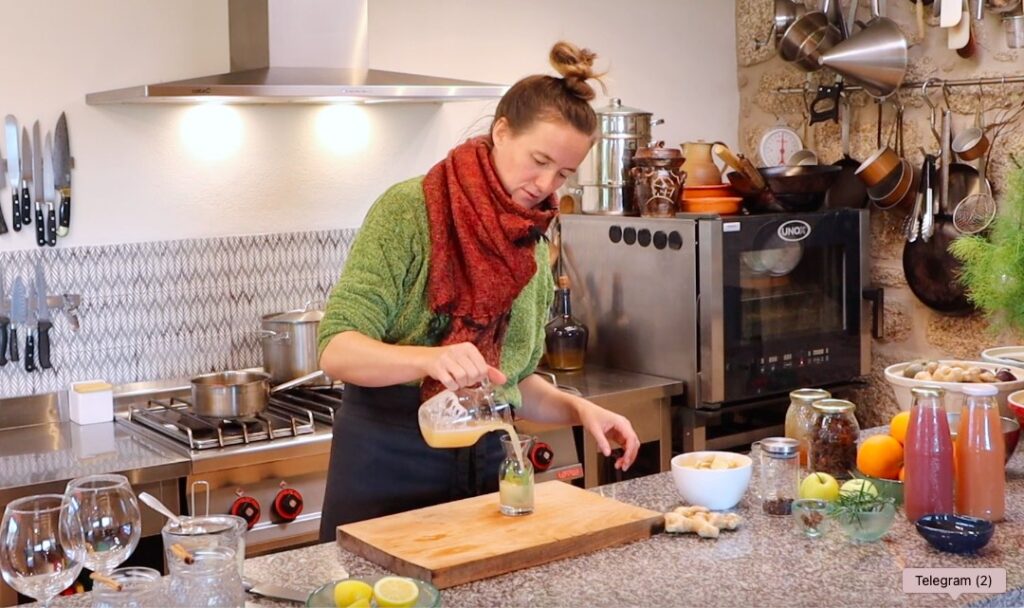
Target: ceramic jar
(658, 180)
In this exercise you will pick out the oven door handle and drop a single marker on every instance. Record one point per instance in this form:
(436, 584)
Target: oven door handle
(876, 295)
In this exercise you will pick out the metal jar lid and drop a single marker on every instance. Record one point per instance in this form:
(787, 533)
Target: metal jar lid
(833, 406)
(927, 391)
(780, 447)
(808, 396)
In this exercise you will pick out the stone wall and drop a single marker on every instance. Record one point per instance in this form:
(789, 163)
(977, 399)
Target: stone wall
(912, 330)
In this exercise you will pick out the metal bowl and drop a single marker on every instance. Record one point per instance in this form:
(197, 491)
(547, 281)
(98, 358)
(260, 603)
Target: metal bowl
(1011, 432)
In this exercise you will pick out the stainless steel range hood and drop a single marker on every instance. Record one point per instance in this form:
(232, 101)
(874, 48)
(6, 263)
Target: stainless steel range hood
(301, 51)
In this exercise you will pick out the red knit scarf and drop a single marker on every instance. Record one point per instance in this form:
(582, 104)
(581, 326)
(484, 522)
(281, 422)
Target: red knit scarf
(482, 248)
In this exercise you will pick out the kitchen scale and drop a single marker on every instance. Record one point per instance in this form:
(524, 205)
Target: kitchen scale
(778, 144)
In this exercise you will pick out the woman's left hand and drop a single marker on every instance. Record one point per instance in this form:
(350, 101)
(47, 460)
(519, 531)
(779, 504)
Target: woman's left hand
(608, 426)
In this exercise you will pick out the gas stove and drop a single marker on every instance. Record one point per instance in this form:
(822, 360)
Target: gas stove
(288, 414)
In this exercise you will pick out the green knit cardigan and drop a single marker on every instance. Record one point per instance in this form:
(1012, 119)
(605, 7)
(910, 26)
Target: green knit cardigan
(382, 292)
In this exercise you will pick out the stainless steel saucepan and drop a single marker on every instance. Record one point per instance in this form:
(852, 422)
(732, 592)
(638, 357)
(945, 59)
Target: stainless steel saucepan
(237, 394)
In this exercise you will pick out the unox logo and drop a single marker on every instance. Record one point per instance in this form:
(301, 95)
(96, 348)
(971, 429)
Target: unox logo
(794, 230)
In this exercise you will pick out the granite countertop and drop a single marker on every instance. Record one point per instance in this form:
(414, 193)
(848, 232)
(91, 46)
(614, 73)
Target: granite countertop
(764, 563)
(40, 458)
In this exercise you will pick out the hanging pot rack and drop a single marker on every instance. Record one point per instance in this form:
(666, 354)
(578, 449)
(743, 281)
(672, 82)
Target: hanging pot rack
(930, 83)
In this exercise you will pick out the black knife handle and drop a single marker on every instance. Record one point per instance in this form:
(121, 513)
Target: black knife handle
(4, 328)
(3, 222)
(65, 214)
(26, 205)
(40, 226)
(13, 343)
(15, 210)
(30, 348)
(44, 344)
(51, 225)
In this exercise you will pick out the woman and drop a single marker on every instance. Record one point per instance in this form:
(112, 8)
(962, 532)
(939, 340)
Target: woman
(447, 285)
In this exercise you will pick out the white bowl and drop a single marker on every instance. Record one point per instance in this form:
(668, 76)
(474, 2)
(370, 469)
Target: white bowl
(716, 489)
(996, 355)
(954, 398)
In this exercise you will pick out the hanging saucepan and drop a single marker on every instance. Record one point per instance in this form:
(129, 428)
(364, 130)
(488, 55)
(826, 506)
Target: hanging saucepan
(809, 36)
(237, 394)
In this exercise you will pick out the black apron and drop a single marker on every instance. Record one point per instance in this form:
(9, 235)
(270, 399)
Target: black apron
(381, 465)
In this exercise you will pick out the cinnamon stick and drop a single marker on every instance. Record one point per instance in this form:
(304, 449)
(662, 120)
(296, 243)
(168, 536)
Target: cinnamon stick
(106, 580)
(182, 554)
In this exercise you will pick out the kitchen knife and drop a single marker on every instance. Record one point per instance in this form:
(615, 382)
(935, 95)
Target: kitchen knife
(5, 321)
(62, 173)
(37, 182)
(13, 169)
(17, 316)
(43, 323)
(30, 343)
(26, 177)
(48, 194)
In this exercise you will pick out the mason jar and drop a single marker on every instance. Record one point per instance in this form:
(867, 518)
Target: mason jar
(833, 438)
(800, 415)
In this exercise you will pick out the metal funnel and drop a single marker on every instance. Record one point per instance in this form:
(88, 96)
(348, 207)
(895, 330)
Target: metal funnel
(875, 57)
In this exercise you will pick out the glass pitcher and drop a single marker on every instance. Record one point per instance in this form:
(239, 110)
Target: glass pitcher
(457, 419)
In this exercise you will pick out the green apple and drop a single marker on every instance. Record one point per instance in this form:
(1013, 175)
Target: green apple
(858, 486)
(821, 486)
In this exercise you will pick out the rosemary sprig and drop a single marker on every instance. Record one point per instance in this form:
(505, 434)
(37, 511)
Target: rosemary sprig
(849, 507)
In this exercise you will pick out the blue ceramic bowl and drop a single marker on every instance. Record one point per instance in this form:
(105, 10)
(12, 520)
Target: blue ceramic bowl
(955, 533)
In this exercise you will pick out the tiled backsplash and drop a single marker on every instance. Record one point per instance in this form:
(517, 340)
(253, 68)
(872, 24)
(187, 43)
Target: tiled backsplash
(169, 309)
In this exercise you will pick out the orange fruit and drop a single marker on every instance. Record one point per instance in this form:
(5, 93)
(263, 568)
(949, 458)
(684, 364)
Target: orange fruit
(903, 471)
(898, 427)
(880, 456)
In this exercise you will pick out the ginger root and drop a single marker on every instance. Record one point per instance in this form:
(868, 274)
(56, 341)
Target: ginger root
(700, 520)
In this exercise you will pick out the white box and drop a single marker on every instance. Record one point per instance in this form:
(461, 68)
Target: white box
(91, 401)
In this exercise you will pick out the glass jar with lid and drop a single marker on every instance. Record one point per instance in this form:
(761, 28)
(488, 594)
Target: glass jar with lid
(780, 474)
(833, 438)
(799, 416)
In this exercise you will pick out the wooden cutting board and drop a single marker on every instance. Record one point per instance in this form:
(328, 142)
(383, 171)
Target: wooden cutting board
(468, 540)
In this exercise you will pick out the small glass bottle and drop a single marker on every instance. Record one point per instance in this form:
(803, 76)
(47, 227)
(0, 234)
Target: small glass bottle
(780, 474)
(800, 415)
(928, 474)
(515, 476)
(980, 450)
(833, 438)
(565, 337)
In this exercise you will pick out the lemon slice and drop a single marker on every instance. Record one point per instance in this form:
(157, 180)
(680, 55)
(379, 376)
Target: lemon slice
(395, 592)
(348, 593)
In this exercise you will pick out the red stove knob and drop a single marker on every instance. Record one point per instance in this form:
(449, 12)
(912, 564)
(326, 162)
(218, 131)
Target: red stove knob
(288, 504)
(248, 508)
(541, 456)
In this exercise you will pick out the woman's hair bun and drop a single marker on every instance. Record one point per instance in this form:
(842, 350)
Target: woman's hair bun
(576, 66)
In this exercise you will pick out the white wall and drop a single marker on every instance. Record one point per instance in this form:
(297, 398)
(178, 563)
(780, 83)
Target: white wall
(141, 175)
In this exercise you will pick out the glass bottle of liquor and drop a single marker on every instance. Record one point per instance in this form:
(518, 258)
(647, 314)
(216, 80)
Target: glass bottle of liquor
(565, 337)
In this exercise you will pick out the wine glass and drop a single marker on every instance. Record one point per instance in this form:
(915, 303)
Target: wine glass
(108, 512)
(41, 546)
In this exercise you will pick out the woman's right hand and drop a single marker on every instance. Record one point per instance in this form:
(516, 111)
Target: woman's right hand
(459, 365)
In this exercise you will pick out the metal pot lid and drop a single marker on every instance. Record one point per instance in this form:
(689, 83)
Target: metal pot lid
(295, 316)
(615, 108)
